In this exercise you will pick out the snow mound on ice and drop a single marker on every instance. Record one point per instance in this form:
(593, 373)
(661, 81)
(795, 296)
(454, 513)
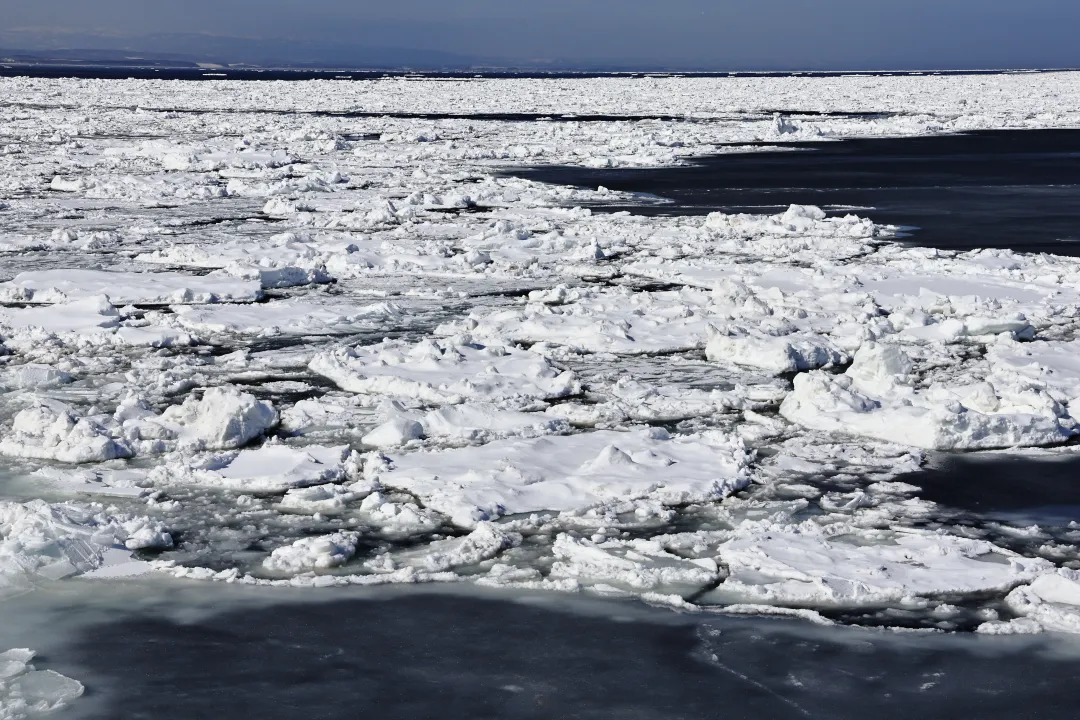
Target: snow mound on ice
(223, 418)
(1052, 601)
(442, 372)
(875, 398)
(313, 553)
(574, 472)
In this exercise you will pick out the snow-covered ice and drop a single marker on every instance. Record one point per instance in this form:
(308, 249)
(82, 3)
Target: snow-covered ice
(804, 569)
(325, 551)
(875, 397)
(57, 286)
(511, 477)
(438, 372)
(247, 337)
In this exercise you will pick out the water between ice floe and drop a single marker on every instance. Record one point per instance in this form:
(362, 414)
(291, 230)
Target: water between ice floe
(160, 649)
(1018, 490)
(998, 188)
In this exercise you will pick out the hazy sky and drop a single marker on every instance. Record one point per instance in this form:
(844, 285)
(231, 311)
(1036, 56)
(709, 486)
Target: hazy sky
(721, 34)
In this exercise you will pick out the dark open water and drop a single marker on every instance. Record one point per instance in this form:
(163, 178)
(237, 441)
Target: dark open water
(1016, 189)
(407, 654)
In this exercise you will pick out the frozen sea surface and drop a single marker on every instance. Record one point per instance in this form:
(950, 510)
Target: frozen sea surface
(315, 337)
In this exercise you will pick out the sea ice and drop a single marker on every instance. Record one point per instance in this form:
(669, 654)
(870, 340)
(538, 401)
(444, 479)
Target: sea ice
(1052, 601)
(27, 692)
(443, 372)
(616, 321)
(41, 541)
(510, 477)
(789, 567)
(124, 288)
(285, 317)
(507, 422)
(52, 431)
(270, 468)
(876, 398)
(313, 553)
(223, 418)
(637, 564)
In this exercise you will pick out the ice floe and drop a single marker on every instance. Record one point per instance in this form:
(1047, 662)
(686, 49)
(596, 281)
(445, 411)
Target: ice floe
(510, 477)
(443, 372)
(285, 317)
(313, 553)
(528, 393)
(26, 691)
(864, 568)
(57, 286)
(41, 541)
(269, 468)
(875, 397)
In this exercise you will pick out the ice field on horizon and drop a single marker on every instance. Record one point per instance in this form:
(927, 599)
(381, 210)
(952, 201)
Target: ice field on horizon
(248, 337)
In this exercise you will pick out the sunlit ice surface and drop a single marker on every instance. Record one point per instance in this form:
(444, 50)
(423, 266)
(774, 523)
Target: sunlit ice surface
(295, 336)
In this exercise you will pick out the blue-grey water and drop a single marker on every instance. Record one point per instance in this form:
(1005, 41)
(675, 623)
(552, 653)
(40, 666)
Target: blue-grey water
(224, 652)
(1017, 189)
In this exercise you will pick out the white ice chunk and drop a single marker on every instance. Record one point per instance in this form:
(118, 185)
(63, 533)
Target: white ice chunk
(286, 317)
(394, 432)
(616, 321)
(637, 564)
(788, 567)
(485, 542)
(92, 314)
(1052, 366)
(124, 288)
(874, 399)
(27, 692)
(275, 467)
(1052, 600)
(483, 422)
(283, 260)
(574, 472)
(50, 430)
(90, 322)
(398, 517)
(40, 540)
(773, 353)
(313, 553)
(223, 418)
(439, 372)
(325, 499)
(33, 376)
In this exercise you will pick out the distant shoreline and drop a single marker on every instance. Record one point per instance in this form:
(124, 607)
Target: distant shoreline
(152, 72)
